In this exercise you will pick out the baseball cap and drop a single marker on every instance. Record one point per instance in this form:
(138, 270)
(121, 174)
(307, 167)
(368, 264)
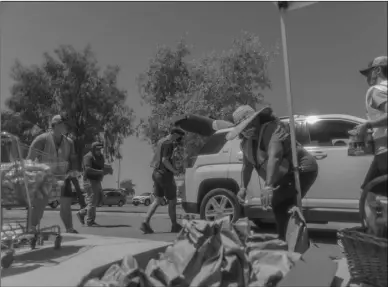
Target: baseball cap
(57, 119)
(97, 145)
(377, 62)
(178, 131)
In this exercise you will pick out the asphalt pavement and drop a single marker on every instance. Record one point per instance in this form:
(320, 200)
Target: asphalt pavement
(125, 222)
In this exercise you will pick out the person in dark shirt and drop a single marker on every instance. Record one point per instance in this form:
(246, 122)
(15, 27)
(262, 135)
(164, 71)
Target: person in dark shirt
(266, 145)
(93, 174)
(163, 177)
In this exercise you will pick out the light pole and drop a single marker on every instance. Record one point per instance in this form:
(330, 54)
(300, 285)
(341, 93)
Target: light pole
(283, 7)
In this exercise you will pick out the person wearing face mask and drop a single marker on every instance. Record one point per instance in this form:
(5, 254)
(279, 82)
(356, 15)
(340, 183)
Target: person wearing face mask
(163, 177)
(266, 147)
(57, 150)
(376, 107)
(94, 164)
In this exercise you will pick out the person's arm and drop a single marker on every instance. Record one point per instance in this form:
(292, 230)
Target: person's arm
(166, 153)
(246, 173)
(73, 165)
(88, 167)
(275, 152)
(36, 146)
(275, 157)
(380, 122)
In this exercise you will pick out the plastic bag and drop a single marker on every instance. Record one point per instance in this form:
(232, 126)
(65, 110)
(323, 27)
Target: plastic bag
(297, 234)
(39, 182)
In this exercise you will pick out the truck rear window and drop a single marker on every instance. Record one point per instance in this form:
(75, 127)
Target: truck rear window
(214, 144)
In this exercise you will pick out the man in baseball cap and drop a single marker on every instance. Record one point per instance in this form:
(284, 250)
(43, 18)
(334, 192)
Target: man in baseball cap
(94, 164)
(57, 150)
(376, 107)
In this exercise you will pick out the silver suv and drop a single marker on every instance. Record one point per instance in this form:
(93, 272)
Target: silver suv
(213, 177)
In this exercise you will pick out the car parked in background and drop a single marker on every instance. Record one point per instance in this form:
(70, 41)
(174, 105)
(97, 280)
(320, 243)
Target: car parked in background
(113, 197)
(213, 177)
(144, 198)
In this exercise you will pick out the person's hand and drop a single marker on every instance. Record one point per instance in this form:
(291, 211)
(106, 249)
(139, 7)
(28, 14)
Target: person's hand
(266, 196)
(242, 193)
(361, 130)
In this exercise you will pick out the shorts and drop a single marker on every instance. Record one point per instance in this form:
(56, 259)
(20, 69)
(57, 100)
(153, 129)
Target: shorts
(377, 168)
(164, 184)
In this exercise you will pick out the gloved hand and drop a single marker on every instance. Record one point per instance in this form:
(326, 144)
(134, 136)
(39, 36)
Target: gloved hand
(242, 193)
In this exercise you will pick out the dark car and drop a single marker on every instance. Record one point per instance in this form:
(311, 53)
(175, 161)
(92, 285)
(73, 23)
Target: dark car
(113, 197)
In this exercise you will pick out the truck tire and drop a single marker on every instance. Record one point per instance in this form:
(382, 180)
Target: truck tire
(219, 195)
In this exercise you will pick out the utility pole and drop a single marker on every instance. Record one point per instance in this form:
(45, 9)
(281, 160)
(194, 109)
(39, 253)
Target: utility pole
(118, 174)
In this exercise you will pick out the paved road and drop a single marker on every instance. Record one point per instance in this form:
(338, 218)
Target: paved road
(125, 222)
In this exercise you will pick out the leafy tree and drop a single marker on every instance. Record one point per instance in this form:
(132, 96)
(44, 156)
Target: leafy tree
(71, 83)
(128, 186)
(212, 86)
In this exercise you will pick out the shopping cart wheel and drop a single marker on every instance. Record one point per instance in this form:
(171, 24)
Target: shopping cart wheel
(7, 259)
(57, 242)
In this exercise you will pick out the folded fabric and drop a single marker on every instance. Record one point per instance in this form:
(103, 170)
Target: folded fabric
(206, 254)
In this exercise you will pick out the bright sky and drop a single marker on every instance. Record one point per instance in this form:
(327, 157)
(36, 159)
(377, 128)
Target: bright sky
(328, 43)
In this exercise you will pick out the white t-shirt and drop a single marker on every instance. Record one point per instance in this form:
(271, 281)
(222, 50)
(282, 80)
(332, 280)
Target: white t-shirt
(376, 98)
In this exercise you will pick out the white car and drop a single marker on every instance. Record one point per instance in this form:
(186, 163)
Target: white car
(213, 177)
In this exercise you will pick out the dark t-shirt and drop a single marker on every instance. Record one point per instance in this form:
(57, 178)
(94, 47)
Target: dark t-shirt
(94, 162)
(164, 149)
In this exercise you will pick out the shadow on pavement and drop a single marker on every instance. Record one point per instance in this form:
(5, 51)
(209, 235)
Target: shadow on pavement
(111, 226)
(39, 258)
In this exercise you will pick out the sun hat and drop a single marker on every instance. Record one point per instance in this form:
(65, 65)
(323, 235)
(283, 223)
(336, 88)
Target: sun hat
(243, 116)
(377, 62)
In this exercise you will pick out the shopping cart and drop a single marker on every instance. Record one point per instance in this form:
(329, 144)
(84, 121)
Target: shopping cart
(17, 182)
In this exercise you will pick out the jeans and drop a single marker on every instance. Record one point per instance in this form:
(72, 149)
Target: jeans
(93, 193)
(286, 197)
(39, 205)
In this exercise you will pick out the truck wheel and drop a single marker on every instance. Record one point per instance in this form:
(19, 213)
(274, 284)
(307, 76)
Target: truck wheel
(218, 203)
(147, 202)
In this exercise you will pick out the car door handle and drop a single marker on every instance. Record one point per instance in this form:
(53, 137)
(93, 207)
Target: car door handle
(318, 155)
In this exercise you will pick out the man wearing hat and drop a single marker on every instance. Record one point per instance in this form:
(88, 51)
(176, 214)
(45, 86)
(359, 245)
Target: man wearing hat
(94, 164)
(376, 107)
(57, 150)
(266, 146)
(163, 177)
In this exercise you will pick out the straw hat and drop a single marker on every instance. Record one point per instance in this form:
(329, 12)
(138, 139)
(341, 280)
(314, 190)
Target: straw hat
(242, 117)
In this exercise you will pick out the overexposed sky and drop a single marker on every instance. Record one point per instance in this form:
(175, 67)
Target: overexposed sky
(328, 43)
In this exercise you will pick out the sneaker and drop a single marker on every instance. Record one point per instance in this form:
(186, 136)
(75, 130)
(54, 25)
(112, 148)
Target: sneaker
(81, 217)
(92, 223)
(72, 230)
(176, 228)
(146, 228)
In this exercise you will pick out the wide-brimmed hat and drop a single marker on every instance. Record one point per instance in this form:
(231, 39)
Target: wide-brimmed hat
(97, 145)
(377, 62)
(242, 117)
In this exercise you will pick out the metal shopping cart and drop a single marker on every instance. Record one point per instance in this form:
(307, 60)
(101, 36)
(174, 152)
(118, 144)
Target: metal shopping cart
(21, 183)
